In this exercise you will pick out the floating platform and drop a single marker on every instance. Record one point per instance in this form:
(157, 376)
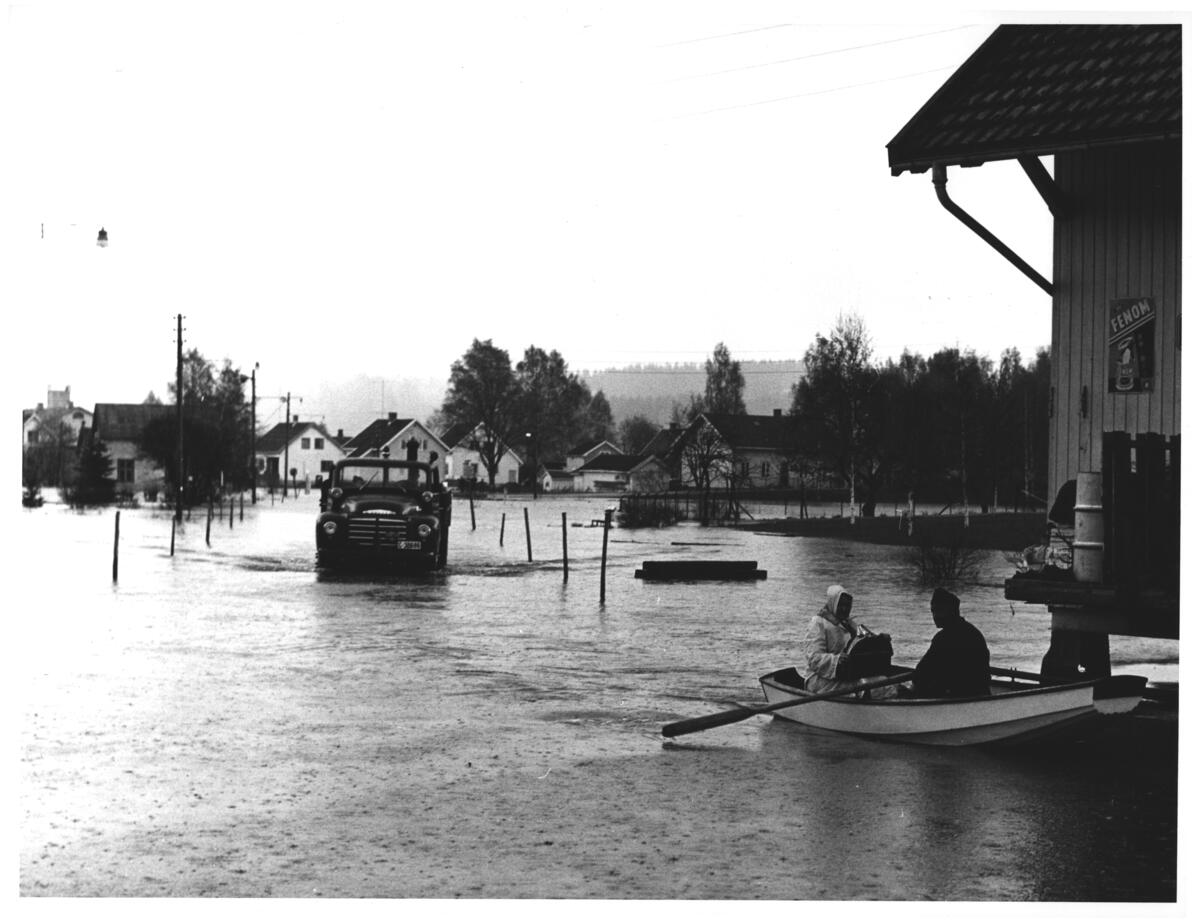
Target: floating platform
(668, 570)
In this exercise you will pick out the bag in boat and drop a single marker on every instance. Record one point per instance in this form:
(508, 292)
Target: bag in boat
(869, 655)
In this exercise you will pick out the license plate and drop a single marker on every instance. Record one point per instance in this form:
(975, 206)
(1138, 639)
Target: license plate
(408, 545)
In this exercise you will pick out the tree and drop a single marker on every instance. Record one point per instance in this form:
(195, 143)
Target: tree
(482, 391)
(724, 384)
(216, 431)
(683, 414)
(553, 405)
(635, 433)
(843, 406)
(598, 420)
(94, 486)
(707, 460)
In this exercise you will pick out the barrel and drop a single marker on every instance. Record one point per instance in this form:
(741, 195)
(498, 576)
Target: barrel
(1087, 559)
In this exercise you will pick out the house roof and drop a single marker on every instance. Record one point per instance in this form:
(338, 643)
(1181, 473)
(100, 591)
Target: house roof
(584, 447)
(112, 422)
(557, 473)
(456, 433)
(768, 433)
(376, 435)
(1032, 90)
(663, 443)
(611, 462)
(272, 441)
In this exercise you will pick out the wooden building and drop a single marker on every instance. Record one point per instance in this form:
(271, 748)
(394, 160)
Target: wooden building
(1102, 104)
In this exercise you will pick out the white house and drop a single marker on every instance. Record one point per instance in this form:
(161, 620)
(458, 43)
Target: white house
(584, 452)
(308, 447)
(401, 438)
(617, 473)
(56, 420)
(120, 426)
(466, 461)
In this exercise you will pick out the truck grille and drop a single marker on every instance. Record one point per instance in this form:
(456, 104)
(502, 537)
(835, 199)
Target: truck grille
(377, 530)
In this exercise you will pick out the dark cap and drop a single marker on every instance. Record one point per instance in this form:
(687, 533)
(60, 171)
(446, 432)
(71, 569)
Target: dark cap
(944, 600)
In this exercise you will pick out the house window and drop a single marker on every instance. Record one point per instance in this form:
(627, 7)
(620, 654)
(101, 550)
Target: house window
(33, 436)
(512, 476)
(318, 444)
(745, 468)
(766, 469)
(305, 443)
(326, 467)
(124, 470)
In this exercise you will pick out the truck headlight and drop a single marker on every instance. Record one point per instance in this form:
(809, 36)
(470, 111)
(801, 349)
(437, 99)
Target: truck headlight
(424, 530)
(329, 527)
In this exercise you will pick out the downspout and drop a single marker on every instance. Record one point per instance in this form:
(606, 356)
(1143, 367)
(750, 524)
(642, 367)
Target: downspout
(939, 184)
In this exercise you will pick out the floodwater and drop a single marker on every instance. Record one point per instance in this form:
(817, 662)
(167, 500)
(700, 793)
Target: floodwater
(227, 721)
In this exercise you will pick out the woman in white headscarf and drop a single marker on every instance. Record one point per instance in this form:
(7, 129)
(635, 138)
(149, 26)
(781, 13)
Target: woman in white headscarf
(829, 634)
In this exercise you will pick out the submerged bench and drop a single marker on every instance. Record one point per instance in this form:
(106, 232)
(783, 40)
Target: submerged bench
(700, 569)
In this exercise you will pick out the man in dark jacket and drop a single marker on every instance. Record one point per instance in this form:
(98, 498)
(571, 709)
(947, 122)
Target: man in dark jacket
(956, 664)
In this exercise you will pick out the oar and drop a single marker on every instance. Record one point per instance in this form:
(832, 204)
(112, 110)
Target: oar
(695, 724)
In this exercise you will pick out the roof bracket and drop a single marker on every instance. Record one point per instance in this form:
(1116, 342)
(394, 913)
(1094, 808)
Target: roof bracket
(939, 183)
(1044, 183)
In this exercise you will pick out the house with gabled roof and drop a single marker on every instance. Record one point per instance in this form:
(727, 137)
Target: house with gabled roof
(465, 444)
(402, 438)
(757, 451)
(306, 447)
(617, 473)
(120, 427)
(1103, 103)
(56, 419)
(580, 454)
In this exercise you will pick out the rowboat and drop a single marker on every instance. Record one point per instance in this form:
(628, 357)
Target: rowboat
(1018, 709)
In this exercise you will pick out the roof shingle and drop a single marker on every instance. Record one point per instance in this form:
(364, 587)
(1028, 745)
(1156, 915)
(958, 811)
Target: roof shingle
(1033, 90)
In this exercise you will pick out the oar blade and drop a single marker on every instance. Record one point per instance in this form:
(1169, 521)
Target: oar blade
(696, 724)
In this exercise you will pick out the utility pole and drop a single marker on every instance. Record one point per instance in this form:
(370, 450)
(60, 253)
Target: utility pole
(287, 437)
(179, 416)
(253, 435)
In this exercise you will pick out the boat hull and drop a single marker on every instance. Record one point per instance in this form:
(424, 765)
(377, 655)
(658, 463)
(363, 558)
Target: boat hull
(1011, 714)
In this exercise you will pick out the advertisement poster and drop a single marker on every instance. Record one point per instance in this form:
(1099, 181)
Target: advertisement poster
(1131, 345)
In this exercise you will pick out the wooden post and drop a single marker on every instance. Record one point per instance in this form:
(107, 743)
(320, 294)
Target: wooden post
(604, 552)
(503, 516)
(528, 540)
(116, 543)
(208, 525)
(242, 508)
(564, 523)
(172, 536)
(472, 496)
(231, 512)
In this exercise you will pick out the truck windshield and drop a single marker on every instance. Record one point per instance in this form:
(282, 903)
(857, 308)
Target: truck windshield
(399, 476)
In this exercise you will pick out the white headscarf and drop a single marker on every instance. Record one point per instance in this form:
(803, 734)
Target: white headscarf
(833, 595)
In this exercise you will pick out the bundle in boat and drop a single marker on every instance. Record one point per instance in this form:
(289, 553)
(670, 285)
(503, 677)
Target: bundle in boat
(666, 570)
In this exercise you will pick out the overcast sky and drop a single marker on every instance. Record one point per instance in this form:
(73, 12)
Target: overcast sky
(359, 189)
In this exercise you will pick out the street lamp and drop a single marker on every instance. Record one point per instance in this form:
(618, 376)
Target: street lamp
(102, 238)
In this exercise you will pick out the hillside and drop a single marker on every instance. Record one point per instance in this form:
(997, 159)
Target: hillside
(652, 390)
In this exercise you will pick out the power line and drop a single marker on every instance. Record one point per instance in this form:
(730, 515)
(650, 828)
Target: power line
(819, 54)
(710, 38)
(835, 89)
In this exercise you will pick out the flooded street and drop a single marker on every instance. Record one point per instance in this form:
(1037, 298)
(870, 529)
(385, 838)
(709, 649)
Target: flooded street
(228, 722)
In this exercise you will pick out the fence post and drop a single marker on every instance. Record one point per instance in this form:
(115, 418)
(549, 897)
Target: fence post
(604, 553)
(208, 525)
(242, 508)
(116, 543)
(231, 512)
(503, 516)
(528, 540)
(472, 496)
(172, 536)
(564, 526)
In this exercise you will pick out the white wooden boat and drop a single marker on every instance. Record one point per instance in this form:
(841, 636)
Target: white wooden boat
(1018, 709)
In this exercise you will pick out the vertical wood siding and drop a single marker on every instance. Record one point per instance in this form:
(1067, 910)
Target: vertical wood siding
(1121, 238)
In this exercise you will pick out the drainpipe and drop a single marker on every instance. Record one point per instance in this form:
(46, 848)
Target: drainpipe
(939, 184)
